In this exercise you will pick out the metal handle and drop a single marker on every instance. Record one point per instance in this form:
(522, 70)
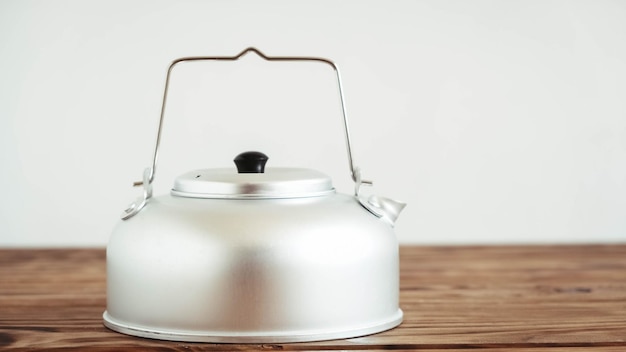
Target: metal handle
(150, 172)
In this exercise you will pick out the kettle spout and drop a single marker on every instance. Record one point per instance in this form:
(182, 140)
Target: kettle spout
(388, 209)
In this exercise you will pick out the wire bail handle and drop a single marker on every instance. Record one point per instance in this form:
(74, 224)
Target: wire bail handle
(149, 172)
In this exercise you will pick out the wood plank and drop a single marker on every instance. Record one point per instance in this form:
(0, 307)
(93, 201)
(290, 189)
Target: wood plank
(509, 298)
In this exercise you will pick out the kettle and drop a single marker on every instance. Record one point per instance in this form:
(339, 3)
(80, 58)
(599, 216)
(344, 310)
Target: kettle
(254, 254)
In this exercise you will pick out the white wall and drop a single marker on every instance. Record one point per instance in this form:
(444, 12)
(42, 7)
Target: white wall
(497, 121)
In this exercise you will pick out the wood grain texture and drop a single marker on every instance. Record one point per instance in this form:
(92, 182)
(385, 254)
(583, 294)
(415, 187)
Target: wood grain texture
(500, 298)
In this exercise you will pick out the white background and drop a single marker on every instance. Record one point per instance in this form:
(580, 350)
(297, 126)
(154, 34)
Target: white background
(496, 121)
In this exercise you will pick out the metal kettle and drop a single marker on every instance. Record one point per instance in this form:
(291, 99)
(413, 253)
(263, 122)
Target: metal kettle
(254, 254)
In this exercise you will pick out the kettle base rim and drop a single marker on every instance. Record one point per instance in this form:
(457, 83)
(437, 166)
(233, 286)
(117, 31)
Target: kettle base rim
(253, 337)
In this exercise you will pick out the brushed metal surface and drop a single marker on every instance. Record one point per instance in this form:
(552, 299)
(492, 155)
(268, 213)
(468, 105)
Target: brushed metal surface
(275, 182)
(220, 270)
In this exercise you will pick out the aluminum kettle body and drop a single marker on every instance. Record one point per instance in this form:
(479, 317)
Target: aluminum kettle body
(280, 270)
(254, 256)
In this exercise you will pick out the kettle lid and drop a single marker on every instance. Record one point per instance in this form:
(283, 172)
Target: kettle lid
(252, 181)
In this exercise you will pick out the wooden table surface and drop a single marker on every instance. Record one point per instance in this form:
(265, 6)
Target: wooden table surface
(487, 298)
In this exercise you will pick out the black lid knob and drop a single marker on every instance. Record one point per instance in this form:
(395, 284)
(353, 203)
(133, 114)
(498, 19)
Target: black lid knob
(251, 162)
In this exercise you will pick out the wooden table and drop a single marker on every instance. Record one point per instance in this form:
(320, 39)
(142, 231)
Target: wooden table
(500, 298)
